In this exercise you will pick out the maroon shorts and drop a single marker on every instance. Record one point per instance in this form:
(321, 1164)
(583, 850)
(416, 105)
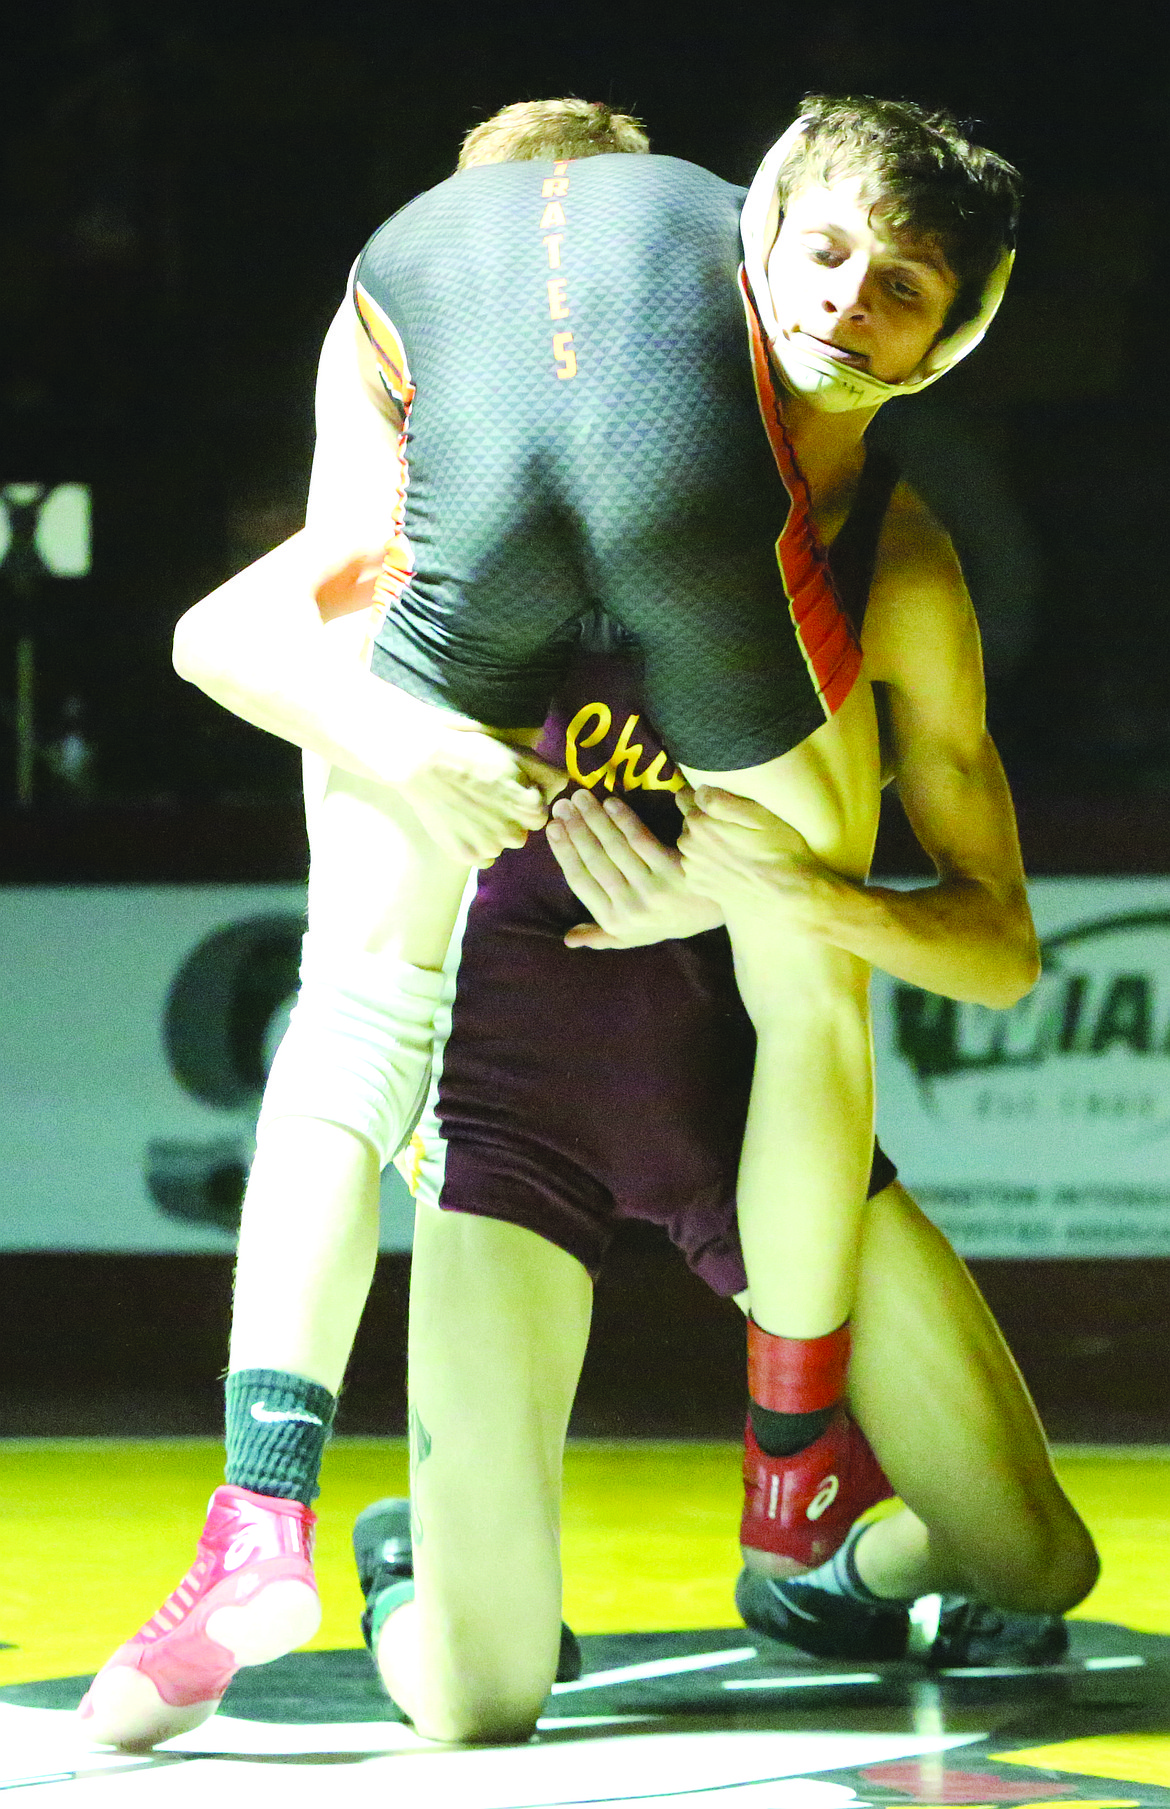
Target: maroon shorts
(575, 1088)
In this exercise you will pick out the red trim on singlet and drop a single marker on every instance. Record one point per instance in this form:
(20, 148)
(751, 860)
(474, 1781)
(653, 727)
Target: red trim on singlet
(823, 631)
(387, 346)
(398, 557)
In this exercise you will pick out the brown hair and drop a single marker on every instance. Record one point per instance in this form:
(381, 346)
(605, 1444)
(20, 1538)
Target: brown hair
(930, 181)
(551, 128)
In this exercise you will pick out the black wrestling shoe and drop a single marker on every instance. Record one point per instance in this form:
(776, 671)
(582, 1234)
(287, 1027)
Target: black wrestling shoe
(828, 1626)
(970, 1633)
(382, 1552)
(569, 1660)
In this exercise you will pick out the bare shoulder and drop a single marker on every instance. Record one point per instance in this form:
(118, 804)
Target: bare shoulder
(347, 371)
(914, 550)
(919, 612)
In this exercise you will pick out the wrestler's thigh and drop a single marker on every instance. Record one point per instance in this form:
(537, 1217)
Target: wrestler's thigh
(940, 1398)
(376, 881)
(829, 787)
(499, 1320)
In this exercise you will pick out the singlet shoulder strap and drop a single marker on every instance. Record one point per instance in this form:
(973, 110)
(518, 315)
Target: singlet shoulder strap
(854, 551)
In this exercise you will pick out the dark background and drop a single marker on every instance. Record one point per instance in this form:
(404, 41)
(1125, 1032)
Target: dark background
(134, 1346)
(184, 188)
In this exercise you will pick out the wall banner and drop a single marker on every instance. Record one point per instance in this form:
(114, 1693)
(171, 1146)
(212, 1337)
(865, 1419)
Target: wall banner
(1044, 1130)
(137, 1025)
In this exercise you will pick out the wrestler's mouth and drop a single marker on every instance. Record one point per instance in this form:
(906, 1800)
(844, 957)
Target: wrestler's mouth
(842, 353)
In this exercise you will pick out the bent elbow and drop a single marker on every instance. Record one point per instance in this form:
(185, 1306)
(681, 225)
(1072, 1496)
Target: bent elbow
(1016, 979)
(1028, 963)
(182, 651)
(1032, 965)
(189, 653)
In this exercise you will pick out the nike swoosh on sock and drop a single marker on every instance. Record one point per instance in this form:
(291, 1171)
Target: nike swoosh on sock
(269, 1415)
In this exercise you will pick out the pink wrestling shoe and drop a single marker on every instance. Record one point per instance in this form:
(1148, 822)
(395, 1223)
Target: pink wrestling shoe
(249, 1597)
(801, 1507)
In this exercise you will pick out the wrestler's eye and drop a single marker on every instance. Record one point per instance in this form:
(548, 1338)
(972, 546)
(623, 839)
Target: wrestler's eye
(903, 288)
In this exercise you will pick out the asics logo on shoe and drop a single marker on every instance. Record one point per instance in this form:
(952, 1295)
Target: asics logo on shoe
(271, 1416)
(247, 1544)
(824, 1498)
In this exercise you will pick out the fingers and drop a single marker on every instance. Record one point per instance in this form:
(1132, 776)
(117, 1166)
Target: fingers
(529, 810)
(739, 824)
(702, 834)
(549, 780)
(615, 816)
(522, 808)
(595, 894)
(513, 797)
(469, 843)
(473, 821)
(473, 796)
(610, 860)
(712, 852)
(590, 935)
(506, 784)
(612, 836)
(484, 757)
(729, 807)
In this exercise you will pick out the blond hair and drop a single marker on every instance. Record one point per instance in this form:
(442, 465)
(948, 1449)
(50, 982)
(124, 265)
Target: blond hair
(528, 130)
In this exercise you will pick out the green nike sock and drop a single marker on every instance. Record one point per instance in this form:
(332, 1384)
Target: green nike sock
(276, 1425)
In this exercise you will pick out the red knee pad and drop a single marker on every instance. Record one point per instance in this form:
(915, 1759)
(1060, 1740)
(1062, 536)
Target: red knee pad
(801, 1507)
(797, 1375)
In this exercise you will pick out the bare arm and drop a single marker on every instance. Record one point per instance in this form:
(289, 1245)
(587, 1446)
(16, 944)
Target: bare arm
(279, 643)
(971, 935)
(260, 644)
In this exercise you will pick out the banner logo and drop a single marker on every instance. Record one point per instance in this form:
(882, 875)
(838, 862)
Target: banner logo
(1045, 1129)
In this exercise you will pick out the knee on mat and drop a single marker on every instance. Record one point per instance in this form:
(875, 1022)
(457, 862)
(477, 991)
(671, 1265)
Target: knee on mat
(1050, 1569)
(1074, 1567)
(494, 1728)
(477, 1696)
(473, 1721)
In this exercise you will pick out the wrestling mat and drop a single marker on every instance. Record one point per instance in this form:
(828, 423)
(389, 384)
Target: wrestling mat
(692, 1720)
(709, 1717)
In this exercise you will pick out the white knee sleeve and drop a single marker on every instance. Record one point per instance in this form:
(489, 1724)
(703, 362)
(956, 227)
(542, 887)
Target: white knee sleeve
(357, 1051)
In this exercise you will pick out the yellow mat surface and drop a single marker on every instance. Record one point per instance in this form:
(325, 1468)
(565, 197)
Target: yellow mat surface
(97, 1533)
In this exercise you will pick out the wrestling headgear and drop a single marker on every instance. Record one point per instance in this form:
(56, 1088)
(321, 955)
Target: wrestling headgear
(807, 371)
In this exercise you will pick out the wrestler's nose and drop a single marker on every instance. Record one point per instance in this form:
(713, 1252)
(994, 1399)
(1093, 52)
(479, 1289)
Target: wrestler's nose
(847, 292)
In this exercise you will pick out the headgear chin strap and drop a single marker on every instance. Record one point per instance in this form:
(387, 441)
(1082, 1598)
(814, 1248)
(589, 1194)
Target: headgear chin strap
(807, 369)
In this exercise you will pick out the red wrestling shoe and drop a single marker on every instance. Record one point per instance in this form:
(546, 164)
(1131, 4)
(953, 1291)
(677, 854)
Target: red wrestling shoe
(801, 1507)
(249, 1597)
